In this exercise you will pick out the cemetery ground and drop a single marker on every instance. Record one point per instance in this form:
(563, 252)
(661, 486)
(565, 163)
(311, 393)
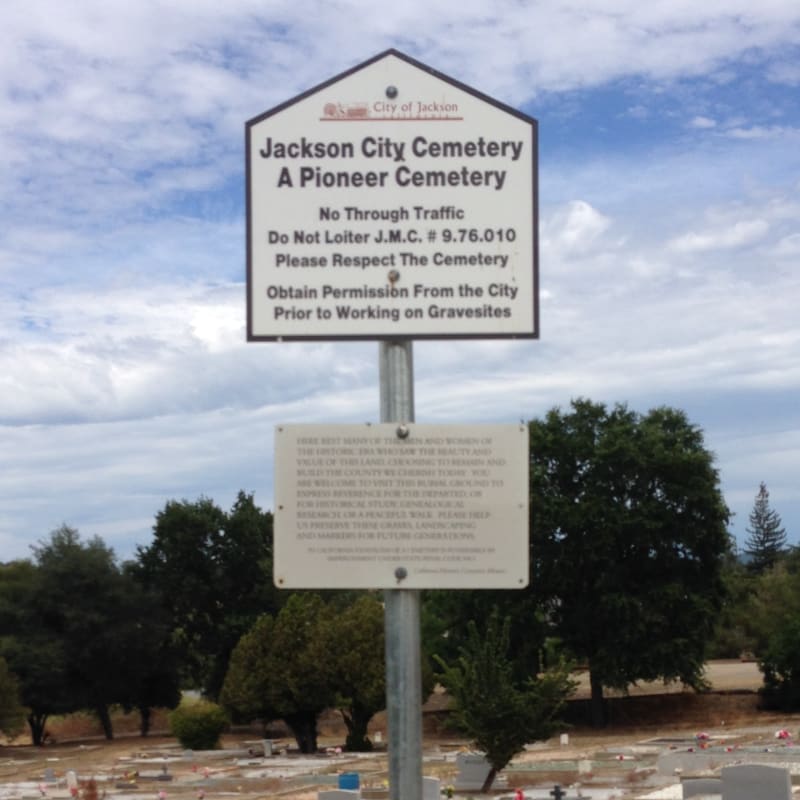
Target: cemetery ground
(651, 743)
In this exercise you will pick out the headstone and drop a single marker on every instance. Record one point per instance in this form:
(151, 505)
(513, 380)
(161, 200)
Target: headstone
(564, 739)
(472, 771)
(751, 781)
(338, 794)
(50, 775)
(72, 780)
(267, 747)
(431, 788)
(694, 787)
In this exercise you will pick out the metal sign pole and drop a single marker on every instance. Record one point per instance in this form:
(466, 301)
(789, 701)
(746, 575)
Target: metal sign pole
(402, 608)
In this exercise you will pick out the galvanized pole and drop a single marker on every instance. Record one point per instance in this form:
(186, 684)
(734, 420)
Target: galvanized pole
(402, 608)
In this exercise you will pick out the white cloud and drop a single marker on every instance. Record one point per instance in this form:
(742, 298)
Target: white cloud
(573, 229)
(667, 266)
(702, 123)
(762, 132)
(788, 246)
(737, 234)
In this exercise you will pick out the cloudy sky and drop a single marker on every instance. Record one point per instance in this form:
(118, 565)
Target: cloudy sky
(670, 239)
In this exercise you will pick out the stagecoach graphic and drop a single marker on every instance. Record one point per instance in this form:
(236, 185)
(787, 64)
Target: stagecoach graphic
(346, 111)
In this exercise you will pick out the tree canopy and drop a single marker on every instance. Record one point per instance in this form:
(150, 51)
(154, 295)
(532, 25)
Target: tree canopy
(355, 655)
(313, 655)
(213, 571)
(773, 612)
(280, 670)
(12, 714)
(628, 537)
(79, 633)
(499, 712)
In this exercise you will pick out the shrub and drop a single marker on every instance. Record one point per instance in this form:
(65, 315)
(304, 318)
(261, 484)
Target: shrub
(198, 724)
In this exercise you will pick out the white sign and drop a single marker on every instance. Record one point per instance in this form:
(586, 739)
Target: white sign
(392, 202)
(401, 506)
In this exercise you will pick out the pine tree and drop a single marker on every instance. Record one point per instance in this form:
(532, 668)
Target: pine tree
(766, 542)
(499, 713)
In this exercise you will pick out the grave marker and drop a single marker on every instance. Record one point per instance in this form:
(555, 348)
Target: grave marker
(431, 788)
(701, 787)
(756, 781)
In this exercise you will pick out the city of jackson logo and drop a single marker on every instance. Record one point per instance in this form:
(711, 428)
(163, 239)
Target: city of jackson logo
(384, 110)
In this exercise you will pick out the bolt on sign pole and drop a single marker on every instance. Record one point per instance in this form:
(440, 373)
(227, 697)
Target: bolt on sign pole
(402, 607)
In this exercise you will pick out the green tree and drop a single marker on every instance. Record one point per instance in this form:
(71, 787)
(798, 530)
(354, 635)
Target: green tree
(213, 571)
(355, 647)
(766, 541)
(500, 713)
(349, 674)
(78, 632)
(280, 669)
(12, 714)
(248, 690)
(446, 616)
(94, 613)
(774, 614)
(628, 538)
(154, 681)
(734, 632)
(33, 649)
(38, 663)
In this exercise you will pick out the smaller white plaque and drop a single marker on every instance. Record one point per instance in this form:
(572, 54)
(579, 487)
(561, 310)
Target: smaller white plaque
(389, 506)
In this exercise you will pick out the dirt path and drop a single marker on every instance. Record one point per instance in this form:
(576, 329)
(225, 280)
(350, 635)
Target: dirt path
(724, 676)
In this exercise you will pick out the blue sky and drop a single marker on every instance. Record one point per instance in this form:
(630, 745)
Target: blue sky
(670, 240)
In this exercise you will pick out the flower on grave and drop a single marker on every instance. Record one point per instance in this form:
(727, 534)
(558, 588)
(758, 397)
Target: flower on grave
(448, 791)
(162, 795)
(783, 734)
(702, 736)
